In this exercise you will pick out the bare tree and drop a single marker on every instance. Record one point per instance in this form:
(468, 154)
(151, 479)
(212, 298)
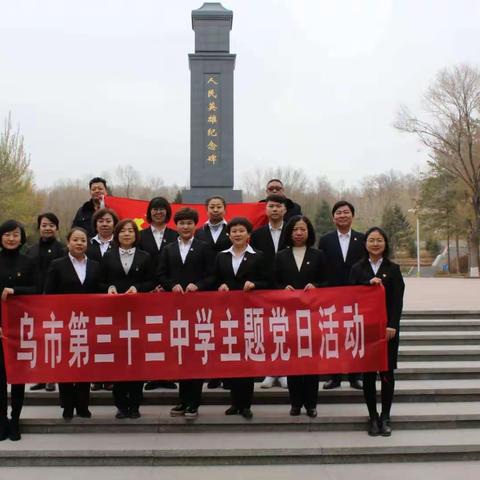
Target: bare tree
(128, 180)
(450, 130)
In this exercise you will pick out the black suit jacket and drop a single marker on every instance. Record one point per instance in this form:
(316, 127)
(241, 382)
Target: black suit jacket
(94, 252)
(197, 268)
(62, 277)
(338, 270)
(261, 239)
(251, 269)
(43, 254)
(223, 241)
(148, 243)
(139, 276)
(313, 269)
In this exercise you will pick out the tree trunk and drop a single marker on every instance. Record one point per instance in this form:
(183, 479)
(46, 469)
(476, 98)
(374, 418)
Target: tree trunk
(448, 253)
(474, 237)
(457, 248)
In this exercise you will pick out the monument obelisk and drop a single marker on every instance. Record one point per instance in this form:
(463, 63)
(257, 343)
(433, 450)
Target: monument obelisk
(211, 101)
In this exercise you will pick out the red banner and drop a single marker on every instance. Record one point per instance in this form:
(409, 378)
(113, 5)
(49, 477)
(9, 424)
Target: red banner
(137, 209)
(59, 338)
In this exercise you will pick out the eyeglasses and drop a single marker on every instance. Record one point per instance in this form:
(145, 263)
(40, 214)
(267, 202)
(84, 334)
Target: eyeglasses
(274, 189)
(160, 209)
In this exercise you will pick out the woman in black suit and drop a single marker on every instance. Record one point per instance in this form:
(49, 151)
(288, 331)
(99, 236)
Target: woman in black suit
(376, 269)
(17, 277)
(240, 267)
(104, 222)
(74, 273)
(42, 253)
(152, 240)
(300, 266)
(127, 269)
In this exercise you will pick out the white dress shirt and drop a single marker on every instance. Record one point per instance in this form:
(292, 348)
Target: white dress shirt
(216, 229)
(104, 244)
(158, 235)
(126, 257)
(299, 255)
(375, 265)
(275, 233)
(80, 267)
(344, 239)
(184, 248)
(238, 259)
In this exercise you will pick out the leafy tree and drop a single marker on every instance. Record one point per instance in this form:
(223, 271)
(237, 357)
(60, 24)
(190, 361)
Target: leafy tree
(17, 197)
(397, 227)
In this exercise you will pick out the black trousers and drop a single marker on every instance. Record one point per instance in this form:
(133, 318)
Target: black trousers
(241, 392)
(128, 395)
(190, 392)
(352, 377)
(303, 390)
(370, 392)
(74, 395)
(17, 393)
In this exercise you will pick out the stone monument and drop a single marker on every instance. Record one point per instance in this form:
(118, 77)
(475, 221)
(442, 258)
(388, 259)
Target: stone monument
(211, 101)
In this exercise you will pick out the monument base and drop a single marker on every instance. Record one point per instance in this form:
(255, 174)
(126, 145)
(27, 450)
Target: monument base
(200, 194)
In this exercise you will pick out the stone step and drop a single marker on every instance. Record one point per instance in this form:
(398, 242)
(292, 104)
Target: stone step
(266, 418)
(439, 325)
(437, 370)
(454, 337)
(457, 390)
(437, 314)
(440, 353)
(243, 448)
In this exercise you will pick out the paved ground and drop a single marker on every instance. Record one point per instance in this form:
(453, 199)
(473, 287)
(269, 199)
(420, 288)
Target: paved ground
(442, 294)
(391, 471)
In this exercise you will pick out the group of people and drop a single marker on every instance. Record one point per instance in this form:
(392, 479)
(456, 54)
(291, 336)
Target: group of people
(106, 255)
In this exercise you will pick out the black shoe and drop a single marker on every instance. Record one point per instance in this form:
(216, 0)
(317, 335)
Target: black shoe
(3, 429)
(191, 412)
(95, 387)
(246, 413)
(121, 414)
(232, 411)
(49, 387)
(295, 411)
(331, 384)
(311, 412)
(385, 428)
(135, 413)
(356, 384)
(215, 383)
(108, 387)
(84, 413)
(14, 431)
(178, 410)
(374, 427)
(67, 413)
(37, 386)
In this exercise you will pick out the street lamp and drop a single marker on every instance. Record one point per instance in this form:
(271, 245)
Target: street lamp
(415, 211)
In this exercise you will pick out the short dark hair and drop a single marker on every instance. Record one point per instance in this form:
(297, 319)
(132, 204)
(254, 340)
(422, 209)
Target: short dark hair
(240, 221)
(386, 252)
(9, 226)
(275, 180)
(291, 225)
(119, 227)
(97, 180)
(343, 203)
(76, 229)
(100, 213)
(276, 198)
(186, 214)
(49, 216)
(159, 202)
(215, 197)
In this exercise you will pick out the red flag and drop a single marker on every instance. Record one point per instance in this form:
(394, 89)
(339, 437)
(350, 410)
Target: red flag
(137, 209)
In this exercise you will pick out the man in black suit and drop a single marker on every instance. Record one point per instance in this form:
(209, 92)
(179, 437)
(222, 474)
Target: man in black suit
(270, 239)
(83, 217)
(186, 265)
(342, 248)
(214, 232)
(275, 187)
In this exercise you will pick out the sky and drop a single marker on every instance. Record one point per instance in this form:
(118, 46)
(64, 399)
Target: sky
(98, 84)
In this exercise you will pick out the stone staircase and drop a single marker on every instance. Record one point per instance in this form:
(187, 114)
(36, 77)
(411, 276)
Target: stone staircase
(435, 417)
